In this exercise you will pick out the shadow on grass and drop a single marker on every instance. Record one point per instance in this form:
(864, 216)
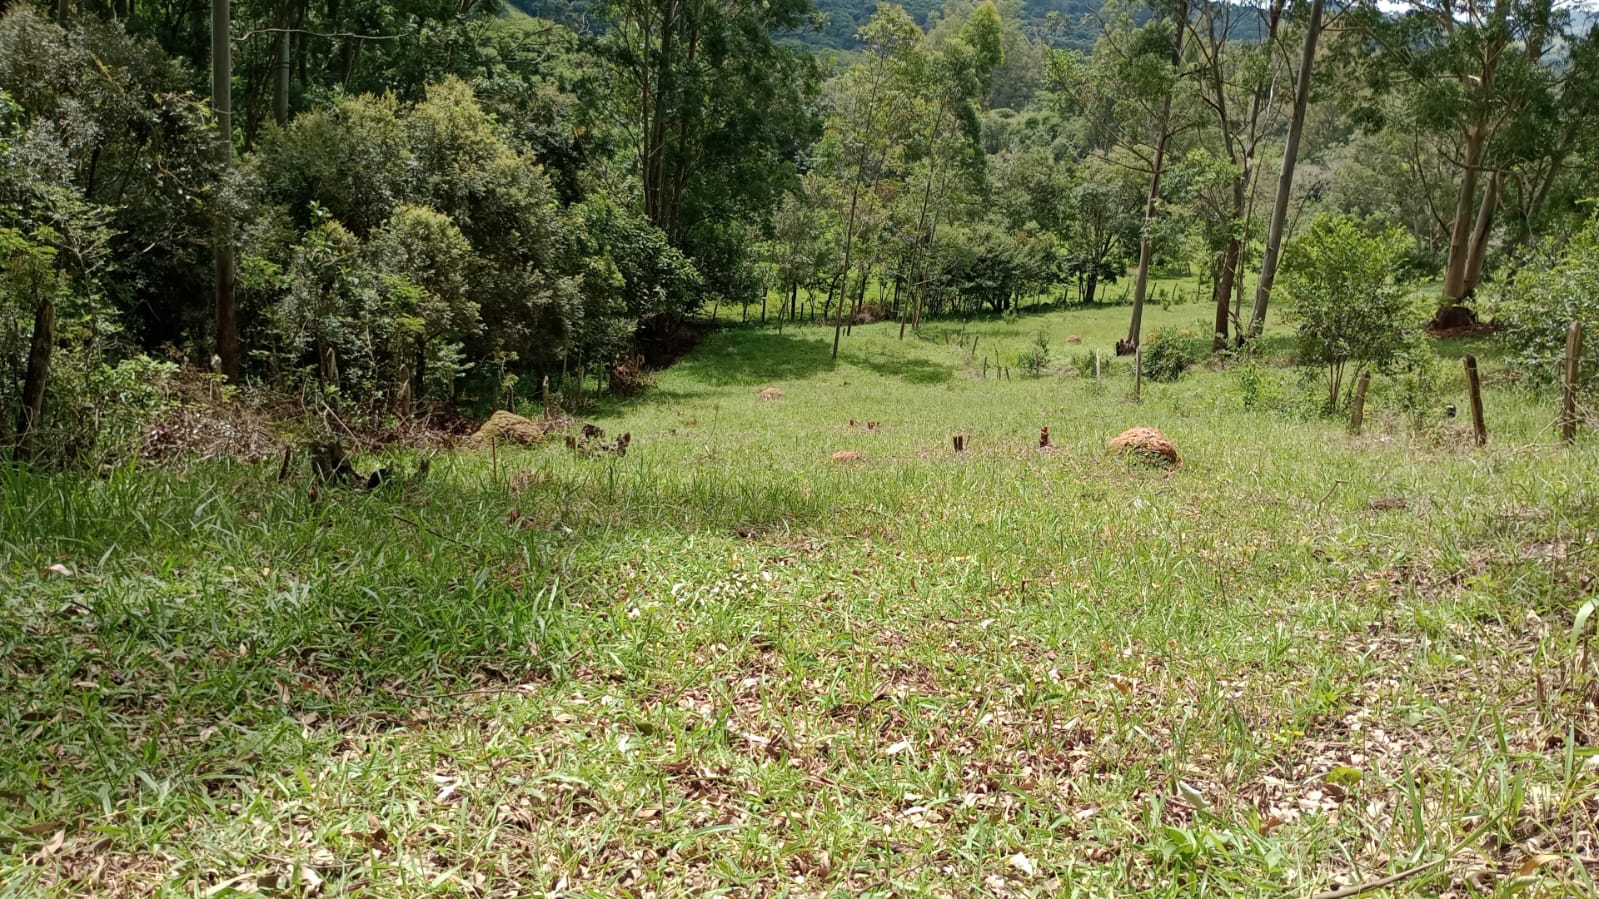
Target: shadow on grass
(213, 629)
(915, 371)
(757, 358)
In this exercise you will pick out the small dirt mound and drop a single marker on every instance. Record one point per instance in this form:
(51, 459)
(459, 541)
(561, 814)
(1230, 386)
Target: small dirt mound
(771, 393)
(1146, 445)
(844, 457)
(508, 427)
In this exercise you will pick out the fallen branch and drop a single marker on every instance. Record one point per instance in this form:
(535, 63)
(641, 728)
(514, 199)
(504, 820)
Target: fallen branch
(422, 527)
(1329, 493)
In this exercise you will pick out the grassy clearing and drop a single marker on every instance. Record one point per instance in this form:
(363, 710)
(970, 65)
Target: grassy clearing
(727, 665)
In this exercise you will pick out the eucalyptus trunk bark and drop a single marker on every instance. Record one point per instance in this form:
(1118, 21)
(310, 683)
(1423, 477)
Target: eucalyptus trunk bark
(1285, 177)
(1481, 232)
(1146, 241)
(1460, 231)
(227, 303)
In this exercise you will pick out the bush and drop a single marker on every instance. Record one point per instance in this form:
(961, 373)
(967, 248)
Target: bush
(1419, 388)
(1084, 363)
(1035, 360)
(1338, 281)
(1168, 353)
(1535, 310)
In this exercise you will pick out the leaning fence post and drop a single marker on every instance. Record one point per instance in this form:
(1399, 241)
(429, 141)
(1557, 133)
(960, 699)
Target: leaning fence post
(1474, 387)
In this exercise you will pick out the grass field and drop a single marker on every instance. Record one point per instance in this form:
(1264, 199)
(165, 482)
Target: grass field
(726, 665)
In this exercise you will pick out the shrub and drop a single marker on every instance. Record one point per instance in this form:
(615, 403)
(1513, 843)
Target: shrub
(1168, 353)
(1035, 360)
(1084, 363)
(1338, 281)
(1419, 388)
(1533, 312)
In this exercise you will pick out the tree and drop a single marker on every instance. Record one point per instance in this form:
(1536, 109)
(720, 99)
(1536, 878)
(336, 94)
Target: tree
(1285, 175)
(1237, 80)
(1339, 282)
(720, 112)
(1467, 74)
(1127, 89)
(1105, 227)
(949, 140)
(227, 301)
(871, 103)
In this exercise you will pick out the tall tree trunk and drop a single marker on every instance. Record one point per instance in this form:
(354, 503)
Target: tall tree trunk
(1481, 232)
(39, 351)
(1285, 177)
(1146, 241)
(1222, 293)
(849, 247)
(285, 53)
(227, 303)
(1460, 230)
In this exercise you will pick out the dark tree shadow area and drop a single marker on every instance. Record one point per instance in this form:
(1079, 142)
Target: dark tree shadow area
(757, 358)
(206, 630)
(916, 371)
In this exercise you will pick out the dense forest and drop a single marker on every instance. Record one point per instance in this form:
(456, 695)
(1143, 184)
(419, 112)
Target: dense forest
(394, 207)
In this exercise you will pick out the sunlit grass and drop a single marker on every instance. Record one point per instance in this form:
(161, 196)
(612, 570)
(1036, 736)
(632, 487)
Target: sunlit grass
(726, 663)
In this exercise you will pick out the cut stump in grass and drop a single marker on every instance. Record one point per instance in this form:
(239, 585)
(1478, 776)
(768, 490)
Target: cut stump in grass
(1357, 410)
(1145, 445)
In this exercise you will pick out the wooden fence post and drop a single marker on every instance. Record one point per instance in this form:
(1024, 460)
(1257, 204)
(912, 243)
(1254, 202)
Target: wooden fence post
(1138, 373)
(1474, 387)
(1568, 399)
(1357, 412)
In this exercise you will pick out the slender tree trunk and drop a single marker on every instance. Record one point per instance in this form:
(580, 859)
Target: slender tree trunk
(1146, 241)
(849, 247)
(1460, 231)
(1222, 293)
(1285, 177)
(227, 304)
(281, 80)
(39, 351)
(1481, 232)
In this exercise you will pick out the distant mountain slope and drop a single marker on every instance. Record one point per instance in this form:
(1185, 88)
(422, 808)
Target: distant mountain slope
(1062, 23)
(841, 19)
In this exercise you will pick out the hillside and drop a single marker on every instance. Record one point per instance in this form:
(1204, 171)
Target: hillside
(1062, 23)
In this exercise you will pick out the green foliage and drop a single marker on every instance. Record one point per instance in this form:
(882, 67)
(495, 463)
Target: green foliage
(1418, 388)
(1338, 279)
(1169, 352)
(98, 412)
(1034, 361)
(1561, 286)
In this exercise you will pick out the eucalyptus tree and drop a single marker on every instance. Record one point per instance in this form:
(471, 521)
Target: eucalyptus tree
(1472, 75)
(1285, 174)
(872, 106)
(719, 111)
(1134, 94)
(1237, 79)
(948, 141)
